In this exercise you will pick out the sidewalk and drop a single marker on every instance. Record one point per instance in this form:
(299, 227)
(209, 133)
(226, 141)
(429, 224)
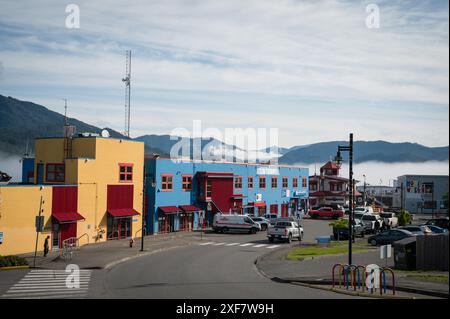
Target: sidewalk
(317, 271)
(107, 254)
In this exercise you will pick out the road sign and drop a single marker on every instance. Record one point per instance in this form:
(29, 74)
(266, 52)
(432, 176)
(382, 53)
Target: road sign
(39, 224)
(385, 251)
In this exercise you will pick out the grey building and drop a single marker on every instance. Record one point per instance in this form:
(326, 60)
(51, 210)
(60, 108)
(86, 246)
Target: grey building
(421, 193)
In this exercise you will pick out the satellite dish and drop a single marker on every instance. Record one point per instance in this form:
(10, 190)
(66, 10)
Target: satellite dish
(105, 133)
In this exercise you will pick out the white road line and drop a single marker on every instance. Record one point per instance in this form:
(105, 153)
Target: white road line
(50, 294)
(259, 246)
(209, 243)
(233, 244)
(245, 245)
(219, 244)
(272, 247)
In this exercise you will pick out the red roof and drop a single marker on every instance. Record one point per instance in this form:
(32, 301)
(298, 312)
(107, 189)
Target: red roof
(169, 209)
(67, 217)
(190, 208)
(330, 165)
(122, 212)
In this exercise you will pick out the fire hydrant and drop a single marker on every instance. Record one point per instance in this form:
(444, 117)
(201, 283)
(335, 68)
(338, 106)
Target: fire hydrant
(131, 242)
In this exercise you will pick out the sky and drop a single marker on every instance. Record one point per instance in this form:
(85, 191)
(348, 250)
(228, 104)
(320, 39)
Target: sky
(312, 69)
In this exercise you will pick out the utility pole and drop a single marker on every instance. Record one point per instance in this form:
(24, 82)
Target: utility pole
(37, 231)
(351, 190)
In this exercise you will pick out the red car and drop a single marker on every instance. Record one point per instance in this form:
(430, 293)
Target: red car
(326, 212)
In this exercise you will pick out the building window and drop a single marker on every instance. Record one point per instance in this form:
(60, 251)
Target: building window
(186, 183)
(167, 182)
(285, 182)
(262, 182)
(55, 173)
(312, 186)
(295, 182)
(125, 172)
(274, 182)
(250, 182)
(238, 182)
(304, 182)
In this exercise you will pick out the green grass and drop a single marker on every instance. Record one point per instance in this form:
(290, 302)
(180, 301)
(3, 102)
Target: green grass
(432, 278)
(314, 251)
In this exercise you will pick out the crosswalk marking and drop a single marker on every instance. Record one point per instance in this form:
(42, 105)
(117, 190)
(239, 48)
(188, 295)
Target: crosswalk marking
(49, 284)
(249, 245)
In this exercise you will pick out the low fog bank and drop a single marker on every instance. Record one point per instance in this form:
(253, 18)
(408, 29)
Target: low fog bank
(11, 164)
(385, 173)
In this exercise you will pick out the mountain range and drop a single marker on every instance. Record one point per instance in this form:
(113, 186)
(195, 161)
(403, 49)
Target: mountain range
(21, 122)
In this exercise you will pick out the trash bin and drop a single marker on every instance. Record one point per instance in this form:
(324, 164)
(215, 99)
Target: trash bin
(405, 254)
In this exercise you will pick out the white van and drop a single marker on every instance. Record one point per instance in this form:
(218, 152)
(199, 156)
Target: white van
(234, 222)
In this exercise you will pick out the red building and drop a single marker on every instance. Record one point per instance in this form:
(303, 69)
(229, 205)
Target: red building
(329, 188)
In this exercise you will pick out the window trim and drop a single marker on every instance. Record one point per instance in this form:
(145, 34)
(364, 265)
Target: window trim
(305, 182)
(295, 182)
(285, 182)
(274, 178)
(262, 178)
(47, 180)
(126, 173)
(236, 185)
(183, 183)
(252, 182)
(166, 183)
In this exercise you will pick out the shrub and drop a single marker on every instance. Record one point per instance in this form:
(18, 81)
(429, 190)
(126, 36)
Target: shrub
(404, 217)
(8, 261)
(340, 223)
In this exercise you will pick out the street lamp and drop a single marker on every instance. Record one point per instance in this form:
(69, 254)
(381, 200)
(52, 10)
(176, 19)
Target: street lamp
(338, 160)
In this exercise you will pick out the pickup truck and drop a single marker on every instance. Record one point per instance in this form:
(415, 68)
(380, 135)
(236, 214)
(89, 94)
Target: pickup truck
(326, 212)
(285, 230)
(389, 219)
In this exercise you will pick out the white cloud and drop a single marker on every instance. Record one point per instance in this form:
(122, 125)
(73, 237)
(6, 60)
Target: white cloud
(306, 66)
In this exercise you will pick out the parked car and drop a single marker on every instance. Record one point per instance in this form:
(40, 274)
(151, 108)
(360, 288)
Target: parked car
(437, 229)
(286, 231)
(440, 222)
(364, 209)
(234, 222)
(389, 219)
(262, 221)
(418, 230)
(388, 237)
(343, 233)
(326, 212)
(369, 221)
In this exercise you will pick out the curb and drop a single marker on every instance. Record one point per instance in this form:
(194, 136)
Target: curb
(14, 267)
(320, 281)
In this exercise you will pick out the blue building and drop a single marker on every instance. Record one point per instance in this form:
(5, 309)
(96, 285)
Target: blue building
(178, 192)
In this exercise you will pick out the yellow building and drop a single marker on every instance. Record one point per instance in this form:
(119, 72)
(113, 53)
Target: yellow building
(88, 189)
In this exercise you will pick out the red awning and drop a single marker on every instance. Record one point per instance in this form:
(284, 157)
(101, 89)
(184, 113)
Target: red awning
(216, 174)
(257, 204)
(122, 212)
(169, 209)
(67, 217)
(190, 208)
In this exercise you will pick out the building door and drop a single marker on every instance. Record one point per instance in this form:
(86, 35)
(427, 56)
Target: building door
(67, 230)
(40, 174)
(56, 238)
(284, 210)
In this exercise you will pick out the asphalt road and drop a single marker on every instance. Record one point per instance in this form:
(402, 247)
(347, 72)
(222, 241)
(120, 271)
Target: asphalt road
(219, 266)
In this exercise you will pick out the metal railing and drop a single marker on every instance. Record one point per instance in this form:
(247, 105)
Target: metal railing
(71, 244)
(355, 276)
